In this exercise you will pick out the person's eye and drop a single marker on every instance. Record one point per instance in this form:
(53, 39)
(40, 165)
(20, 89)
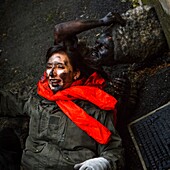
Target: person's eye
(48, 66)
(60, 66)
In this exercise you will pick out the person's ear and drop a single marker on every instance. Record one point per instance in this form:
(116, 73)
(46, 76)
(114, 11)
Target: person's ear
(76, 74)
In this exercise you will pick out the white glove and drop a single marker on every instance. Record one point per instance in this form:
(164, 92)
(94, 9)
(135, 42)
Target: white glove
(93, 164)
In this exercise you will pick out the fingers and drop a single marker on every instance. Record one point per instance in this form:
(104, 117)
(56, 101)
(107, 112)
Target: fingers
(117, 18)
(86, 168)
(93, 164)
(121, 87)
(77, 166)
(120, 84)
(82, 167)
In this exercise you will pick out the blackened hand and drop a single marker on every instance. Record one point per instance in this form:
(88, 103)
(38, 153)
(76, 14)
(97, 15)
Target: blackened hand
(121, 87)
(113, 18)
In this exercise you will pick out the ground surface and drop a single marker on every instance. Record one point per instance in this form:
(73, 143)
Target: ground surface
(26, 32)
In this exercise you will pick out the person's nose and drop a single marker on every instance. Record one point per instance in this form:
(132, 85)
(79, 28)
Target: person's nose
(52, 72)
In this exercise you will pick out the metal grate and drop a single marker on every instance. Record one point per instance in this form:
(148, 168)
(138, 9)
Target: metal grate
(151, 137)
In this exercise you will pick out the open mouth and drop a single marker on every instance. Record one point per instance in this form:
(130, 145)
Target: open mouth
(55, 82)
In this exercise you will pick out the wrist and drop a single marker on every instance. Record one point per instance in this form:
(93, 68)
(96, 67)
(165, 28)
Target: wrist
(112, 165)
(102, 22)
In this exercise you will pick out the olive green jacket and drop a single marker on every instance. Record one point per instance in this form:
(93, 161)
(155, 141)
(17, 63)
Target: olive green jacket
(54, 141)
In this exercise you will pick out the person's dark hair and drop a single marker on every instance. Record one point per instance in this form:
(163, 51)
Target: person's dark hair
(75, 58)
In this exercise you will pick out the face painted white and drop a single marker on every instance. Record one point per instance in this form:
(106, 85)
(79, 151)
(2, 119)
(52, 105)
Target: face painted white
(48, 72)
(59, 71)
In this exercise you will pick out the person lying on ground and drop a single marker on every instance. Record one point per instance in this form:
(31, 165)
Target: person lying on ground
(71, 117)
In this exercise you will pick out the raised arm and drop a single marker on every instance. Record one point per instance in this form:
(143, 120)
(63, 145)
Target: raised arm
(69, 29)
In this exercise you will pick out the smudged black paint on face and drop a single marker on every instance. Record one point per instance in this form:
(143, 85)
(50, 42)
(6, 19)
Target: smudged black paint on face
(59, 71)
(57, 88)
(104, 49)
(64, 76)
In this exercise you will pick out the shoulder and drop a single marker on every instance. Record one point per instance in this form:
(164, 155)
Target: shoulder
(92, 109)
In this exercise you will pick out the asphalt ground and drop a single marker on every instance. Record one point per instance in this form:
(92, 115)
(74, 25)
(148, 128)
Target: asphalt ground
(26, 32)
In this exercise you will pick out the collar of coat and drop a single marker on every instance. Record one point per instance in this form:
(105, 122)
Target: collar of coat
(85, 89)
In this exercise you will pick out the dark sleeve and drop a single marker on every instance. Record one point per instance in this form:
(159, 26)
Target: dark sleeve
(113, 151)
(12, 104)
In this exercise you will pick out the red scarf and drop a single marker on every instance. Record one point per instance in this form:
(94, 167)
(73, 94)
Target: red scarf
(85, 90)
